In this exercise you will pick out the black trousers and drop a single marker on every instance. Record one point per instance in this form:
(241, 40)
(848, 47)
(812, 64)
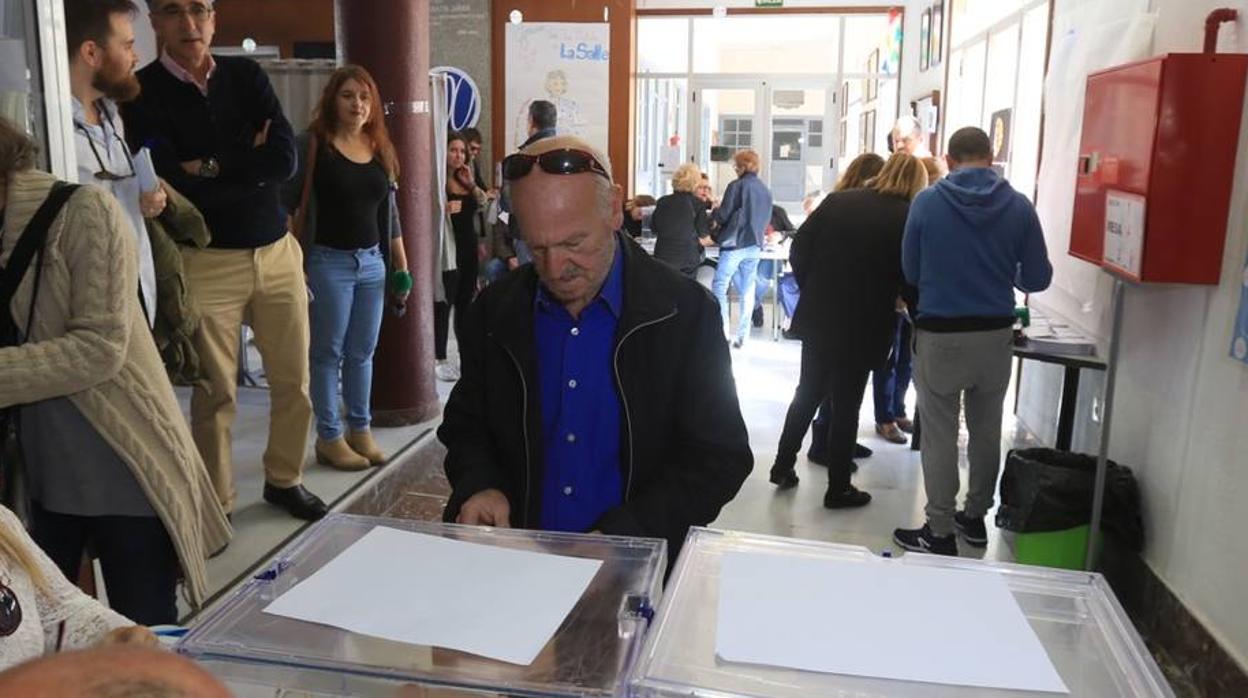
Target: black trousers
(843, 384)
(460, 285)
(137, 557)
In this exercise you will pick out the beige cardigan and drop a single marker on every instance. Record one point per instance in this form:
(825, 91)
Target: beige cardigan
(90, 343)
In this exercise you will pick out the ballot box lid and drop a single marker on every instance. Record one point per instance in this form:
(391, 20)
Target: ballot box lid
(1084, 630)
(590, 655)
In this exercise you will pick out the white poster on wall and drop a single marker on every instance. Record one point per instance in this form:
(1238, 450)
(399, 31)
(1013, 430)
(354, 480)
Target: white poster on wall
(566, 64)
(1124, 231)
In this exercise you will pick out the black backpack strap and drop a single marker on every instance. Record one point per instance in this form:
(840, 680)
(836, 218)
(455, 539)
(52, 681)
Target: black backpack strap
(28, 245)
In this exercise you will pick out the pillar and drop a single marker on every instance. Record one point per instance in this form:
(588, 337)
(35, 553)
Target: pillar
(390, 39)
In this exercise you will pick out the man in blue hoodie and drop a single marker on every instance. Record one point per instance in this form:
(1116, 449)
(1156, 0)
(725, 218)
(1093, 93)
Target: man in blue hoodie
(969, 242)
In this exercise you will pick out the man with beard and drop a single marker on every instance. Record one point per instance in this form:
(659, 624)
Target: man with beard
(100, 35)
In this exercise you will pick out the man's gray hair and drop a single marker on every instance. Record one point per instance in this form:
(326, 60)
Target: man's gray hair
(909, 126)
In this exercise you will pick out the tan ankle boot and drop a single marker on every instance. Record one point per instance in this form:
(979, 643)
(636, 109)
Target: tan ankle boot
(337, 454)
(362, 443)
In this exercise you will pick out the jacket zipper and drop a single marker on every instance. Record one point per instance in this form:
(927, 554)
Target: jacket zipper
(619, 384)
(524, 429)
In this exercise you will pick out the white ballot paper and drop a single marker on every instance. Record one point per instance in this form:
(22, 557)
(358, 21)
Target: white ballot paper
(427, 590)
(145, 171)
(883, 620)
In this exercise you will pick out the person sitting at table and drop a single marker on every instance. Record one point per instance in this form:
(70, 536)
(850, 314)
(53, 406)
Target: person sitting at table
(41, 612)
(564, 419)
(779, 230)
(680, 223)
(847, 258)
(635, 214)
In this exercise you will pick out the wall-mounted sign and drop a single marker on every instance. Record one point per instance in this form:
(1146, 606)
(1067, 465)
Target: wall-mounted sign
(463, 99)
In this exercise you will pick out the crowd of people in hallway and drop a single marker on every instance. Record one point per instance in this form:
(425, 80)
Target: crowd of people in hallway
(593, 391)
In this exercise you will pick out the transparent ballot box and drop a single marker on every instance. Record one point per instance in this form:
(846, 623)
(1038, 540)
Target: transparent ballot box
(1079, 622)
(260, 654)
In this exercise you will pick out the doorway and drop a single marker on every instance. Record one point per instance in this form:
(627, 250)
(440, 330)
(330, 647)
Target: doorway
(804, 91)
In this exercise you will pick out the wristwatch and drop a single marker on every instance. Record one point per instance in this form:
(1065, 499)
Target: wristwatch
(209, 167)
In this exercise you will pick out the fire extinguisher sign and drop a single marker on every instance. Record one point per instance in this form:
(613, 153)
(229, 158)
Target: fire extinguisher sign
(1124, 231)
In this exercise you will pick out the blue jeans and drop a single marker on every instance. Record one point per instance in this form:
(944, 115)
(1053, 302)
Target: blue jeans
(348, 298)
(893, 379)
(766, 271)
(740, 266)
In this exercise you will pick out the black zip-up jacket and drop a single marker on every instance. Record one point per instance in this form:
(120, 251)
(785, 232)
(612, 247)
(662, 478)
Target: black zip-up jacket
(684, 450)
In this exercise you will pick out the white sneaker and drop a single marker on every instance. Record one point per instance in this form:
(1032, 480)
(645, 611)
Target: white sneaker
(446, 372)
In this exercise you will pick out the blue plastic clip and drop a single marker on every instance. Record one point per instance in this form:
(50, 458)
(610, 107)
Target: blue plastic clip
(273, 572)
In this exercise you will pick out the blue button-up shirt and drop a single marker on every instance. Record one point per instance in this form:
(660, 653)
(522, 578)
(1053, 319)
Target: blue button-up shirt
(580, 407)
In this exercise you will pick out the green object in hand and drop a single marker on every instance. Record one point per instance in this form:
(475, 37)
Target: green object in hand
(1023, 315)
(401, 282)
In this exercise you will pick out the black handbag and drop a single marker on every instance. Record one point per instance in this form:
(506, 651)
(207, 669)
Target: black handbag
(30, 247)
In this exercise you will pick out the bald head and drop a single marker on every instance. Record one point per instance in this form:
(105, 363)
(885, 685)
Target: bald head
(111, 672)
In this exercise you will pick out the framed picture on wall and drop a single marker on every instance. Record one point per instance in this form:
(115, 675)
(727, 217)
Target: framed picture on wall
(844, 96)
(866, 132)
(844, 135)
(925, 40)
(936, 43)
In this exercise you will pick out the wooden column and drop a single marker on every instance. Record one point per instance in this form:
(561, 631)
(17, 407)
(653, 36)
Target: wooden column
(391, 40)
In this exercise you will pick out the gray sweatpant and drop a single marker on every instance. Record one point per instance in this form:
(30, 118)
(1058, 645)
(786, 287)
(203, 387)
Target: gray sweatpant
(951, 369)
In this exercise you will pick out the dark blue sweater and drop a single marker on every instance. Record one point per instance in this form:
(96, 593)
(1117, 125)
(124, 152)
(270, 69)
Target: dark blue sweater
(242, 206)
(970, 241)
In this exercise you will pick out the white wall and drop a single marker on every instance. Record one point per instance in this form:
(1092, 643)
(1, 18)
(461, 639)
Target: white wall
(1182, 403)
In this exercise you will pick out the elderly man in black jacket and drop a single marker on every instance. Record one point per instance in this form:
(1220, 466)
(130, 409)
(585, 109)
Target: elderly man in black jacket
(597, 390)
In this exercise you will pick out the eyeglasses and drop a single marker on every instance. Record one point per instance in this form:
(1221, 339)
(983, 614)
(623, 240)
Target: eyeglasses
(196, 11)
(10, 611)
(565, 161)
(103, 173)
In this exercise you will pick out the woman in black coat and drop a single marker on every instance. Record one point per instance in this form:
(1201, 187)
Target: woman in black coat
(847, 260)
(680, 223)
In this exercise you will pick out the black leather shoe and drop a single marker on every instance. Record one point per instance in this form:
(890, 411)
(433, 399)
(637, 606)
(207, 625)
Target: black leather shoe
(297, 501)
(784, 478)
(850, 498)
(757, 318)
(861, 451)
(821, 458)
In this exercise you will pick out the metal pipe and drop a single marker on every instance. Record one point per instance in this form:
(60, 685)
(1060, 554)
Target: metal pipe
(1107, 416)
(1213, 23)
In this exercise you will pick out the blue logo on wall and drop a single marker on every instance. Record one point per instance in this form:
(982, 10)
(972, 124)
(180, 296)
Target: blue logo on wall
(462, 97)
(584, 52)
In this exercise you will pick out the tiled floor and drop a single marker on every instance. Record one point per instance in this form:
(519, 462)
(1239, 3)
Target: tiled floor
(766, 374)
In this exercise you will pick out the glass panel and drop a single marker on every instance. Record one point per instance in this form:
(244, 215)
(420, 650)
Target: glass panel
(966, 88)
(21, 89)
(662, 45)
(715, 105)
(662, 144)
(971, 17)
(797, 144)
(1001, 68)
(1025, 158)
(759, 44)
(866, 124)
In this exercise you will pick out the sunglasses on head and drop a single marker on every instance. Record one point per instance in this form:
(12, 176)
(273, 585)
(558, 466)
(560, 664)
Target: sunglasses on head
(10, 611)
(564, 161)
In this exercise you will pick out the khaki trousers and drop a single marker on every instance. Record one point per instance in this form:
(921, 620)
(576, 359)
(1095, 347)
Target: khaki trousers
(266, 287)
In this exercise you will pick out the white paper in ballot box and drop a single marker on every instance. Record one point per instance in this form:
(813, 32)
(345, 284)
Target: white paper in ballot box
(145, 171)
(427, 590)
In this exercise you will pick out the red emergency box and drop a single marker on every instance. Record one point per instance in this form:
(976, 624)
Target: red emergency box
(1156, 164)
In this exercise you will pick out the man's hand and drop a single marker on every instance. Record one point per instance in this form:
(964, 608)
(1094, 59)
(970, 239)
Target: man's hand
(192, 167)
(486, 508)
(263, 136)
(513, 263)
(131, 635)
(454, 207)
(152, 203)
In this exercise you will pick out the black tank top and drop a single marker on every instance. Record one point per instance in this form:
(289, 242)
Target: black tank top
(348, 198)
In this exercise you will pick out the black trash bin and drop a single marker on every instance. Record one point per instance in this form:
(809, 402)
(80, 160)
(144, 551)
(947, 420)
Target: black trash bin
(1046, 498)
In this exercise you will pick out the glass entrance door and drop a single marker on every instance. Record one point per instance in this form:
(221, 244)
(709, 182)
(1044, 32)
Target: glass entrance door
(785, 123)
